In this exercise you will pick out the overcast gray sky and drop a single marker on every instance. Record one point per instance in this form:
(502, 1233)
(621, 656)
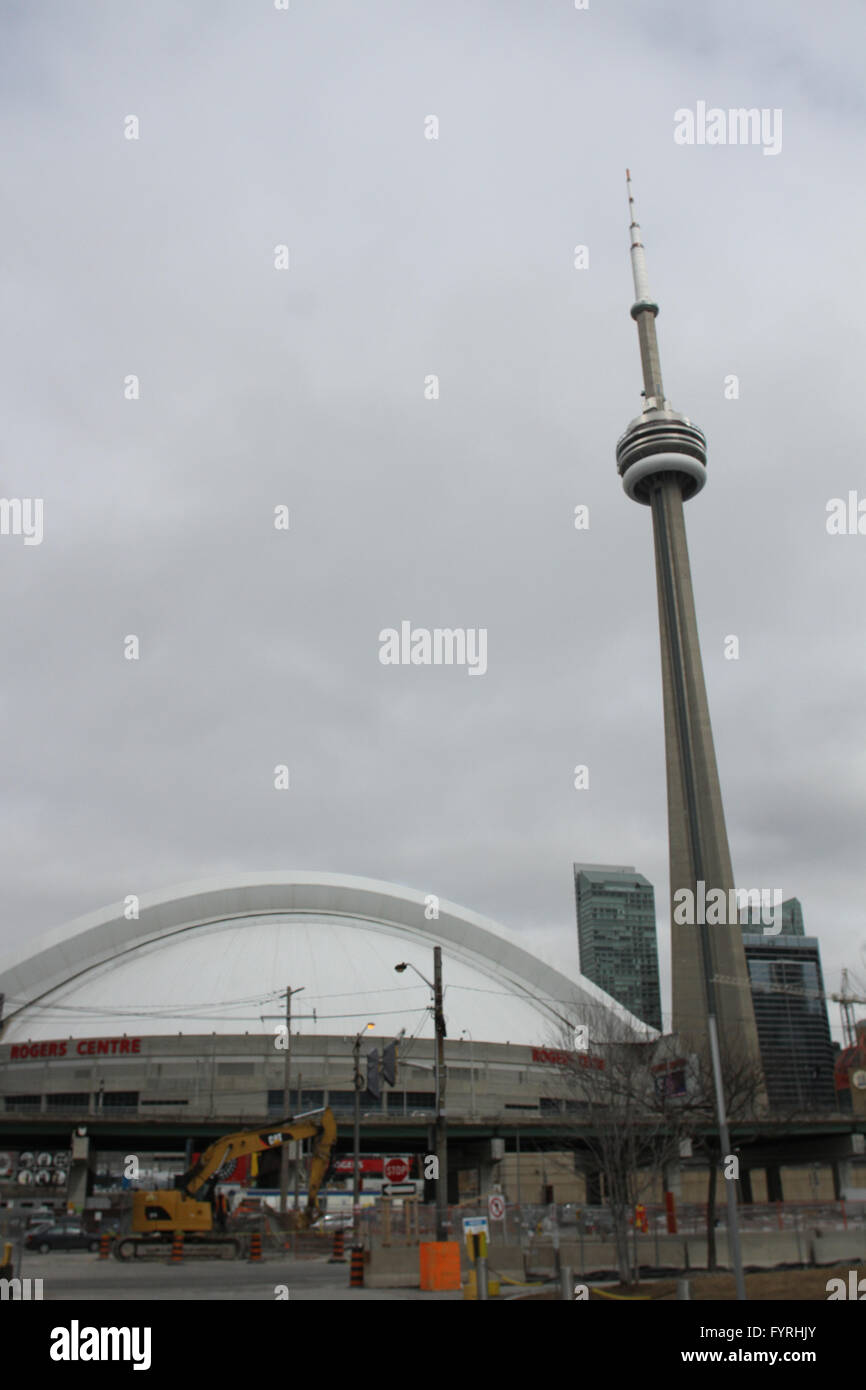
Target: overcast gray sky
(410, 257)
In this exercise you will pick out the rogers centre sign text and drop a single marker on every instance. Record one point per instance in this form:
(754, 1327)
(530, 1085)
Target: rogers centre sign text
(83, 1047)
(563, 1059)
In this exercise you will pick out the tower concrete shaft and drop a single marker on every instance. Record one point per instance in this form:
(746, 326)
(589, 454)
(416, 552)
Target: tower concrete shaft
(662, 461)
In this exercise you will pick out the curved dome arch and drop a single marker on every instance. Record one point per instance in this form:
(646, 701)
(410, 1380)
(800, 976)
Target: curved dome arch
(200, 937)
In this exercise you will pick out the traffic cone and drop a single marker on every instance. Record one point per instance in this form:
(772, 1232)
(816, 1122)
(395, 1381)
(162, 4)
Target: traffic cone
(356, 1273)
(104, 1245)
(177, 1248)
(255, 1246)
(338, 1254)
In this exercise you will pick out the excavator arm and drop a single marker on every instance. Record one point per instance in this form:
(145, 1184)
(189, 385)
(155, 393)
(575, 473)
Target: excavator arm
(187, 1207)
(319, 1125)
(321, 1159)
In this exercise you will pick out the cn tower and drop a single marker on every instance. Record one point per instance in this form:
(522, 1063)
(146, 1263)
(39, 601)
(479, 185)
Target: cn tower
(662, 460)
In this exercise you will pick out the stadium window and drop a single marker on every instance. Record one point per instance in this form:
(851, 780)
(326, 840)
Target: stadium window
(69, 1100)
(421, 1100)
(120, 1100)
(342, 1101)
(305, 1100)
(23, 1102)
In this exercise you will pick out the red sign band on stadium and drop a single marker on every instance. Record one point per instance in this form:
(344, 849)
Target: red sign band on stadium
(556, 1058)
(85, 1047)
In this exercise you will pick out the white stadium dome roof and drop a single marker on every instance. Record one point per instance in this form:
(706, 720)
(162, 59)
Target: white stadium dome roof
(214, 956)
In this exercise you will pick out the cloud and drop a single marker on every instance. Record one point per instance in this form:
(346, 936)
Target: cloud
(306, 387)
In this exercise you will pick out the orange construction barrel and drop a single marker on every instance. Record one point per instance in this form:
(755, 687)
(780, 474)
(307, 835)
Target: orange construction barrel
(440, 1264)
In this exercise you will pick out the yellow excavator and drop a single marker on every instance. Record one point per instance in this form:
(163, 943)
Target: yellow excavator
(187, 1209)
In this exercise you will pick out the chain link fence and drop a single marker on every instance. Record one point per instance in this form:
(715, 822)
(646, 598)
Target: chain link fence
(530, 1223)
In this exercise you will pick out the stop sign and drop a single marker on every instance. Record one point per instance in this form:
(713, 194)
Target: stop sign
(396, 1169)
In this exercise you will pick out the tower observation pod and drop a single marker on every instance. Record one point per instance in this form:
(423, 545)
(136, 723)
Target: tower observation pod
(662, 460)
(660, 442)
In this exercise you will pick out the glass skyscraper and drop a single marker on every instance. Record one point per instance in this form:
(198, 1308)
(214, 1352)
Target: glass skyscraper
(616, 933)
(791, 1014)
(792, 918)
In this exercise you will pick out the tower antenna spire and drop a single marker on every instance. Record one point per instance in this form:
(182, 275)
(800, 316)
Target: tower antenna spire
(644, 311)
(638, 259)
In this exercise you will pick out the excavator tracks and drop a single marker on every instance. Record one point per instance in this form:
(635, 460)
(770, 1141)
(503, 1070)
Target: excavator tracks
(146, 1248)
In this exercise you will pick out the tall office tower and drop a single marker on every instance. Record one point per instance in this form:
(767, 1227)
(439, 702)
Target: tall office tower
(662, 459)
(792, 918)
(793, 1028)
(616, 933)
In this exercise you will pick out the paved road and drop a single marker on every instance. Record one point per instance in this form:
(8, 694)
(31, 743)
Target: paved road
(74, 1275)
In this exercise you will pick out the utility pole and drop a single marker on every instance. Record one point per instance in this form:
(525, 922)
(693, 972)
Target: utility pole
(360, 1085)
(287, 1102)
(299, 1145)
(441, 1129)
(356, 1148)
(517, 1142)
(287, 1106)
(440, 1137)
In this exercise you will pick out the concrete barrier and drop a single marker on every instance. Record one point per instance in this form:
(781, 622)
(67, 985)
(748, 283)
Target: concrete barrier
(598, 1255)
(760, 1250)
(838, 1246)
(506, 1259)
(396, 1268)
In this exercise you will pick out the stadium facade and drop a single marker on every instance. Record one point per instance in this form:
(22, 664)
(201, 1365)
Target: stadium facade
(151, 1027)
(154, 1024)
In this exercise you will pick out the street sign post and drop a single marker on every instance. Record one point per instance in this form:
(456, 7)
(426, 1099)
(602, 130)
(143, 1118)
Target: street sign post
(396, 1169)
(496, 1206)
(473, 1226)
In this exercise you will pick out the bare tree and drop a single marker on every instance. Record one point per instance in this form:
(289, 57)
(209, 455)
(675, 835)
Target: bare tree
(629, 1129)
(639, 1097)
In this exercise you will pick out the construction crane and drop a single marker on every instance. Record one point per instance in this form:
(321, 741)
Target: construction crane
(158, 1216)
(846, 1000)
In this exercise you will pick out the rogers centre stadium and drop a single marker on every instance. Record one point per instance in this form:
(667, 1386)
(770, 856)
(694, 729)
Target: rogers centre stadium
(152, 1027)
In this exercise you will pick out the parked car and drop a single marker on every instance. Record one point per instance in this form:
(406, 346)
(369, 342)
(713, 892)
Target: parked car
(38, 1226)
(67, 1235)
(335, 1221)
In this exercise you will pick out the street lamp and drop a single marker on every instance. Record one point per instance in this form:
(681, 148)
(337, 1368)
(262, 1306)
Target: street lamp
(471, 1071)
(356, 1167)
(441, 1131)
